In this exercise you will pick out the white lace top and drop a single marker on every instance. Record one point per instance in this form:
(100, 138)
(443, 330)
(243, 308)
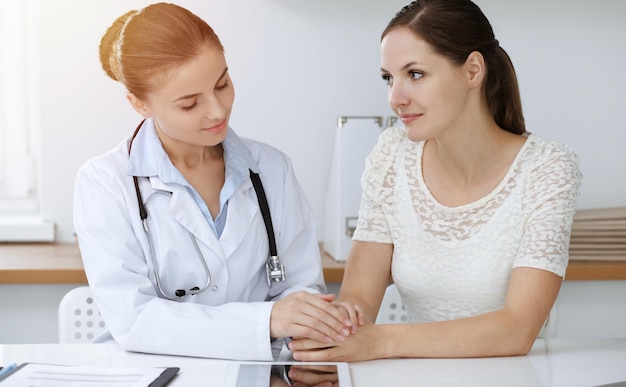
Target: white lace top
(451, 263)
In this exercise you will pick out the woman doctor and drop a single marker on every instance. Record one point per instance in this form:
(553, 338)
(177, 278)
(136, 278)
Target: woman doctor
(194, 278)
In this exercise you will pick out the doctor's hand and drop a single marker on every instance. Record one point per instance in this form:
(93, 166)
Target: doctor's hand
(310, 316)
(355, 314)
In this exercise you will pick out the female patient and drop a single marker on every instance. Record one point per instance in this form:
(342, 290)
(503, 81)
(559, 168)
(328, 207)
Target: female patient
(468, 212)
(191, 279)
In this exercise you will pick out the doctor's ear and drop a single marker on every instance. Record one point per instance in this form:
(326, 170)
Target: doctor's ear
(139, 105)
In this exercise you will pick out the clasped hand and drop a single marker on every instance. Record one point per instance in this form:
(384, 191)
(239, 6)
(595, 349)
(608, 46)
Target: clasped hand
(313, 316)
(323, 330)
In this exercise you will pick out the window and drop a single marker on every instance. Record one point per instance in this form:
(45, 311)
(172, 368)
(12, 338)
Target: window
(19, 201)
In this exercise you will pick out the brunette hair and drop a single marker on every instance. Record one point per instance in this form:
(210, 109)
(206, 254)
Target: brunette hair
(141, 47)
(456, 28)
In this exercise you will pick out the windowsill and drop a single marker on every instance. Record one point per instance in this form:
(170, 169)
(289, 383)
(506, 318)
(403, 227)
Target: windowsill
(25, 228)
(50, 263)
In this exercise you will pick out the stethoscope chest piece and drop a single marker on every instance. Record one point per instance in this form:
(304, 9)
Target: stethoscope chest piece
(275, 270)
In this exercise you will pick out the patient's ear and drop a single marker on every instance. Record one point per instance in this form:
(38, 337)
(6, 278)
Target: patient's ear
(139, 105)
(475, 65)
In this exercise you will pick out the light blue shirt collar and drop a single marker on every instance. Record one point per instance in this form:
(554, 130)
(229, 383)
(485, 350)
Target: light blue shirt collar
(148, 158)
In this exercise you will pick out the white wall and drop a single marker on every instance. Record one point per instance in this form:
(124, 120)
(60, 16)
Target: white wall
(298, 64)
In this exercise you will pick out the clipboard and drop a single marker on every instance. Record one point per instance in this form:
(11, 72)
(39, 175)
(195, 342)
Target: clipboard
(106, 376)
(166, 376)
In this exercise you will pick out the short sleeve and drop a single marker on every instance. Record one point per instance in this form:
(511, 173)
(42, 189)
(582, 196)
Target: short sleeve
(377, 183)
(552, 189)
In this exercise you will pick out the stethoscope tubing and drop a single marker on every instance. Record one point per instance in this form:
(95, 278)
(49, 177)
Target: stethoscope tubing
(179, 293)
(274, 269)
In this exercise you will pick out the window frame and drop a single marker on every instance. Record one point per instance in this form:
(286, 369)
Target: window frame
(20, 150)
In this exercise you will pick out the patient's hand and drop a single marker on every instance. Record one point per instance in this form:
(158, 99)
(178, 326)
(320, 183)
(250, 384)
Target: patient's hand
(307, 375)
(367, 344)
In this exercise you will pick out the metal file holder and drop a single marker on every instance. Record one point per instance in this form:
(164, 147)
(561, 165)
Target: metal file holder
(341, 120)
(351, 222)
(353, 141)
(391, 120)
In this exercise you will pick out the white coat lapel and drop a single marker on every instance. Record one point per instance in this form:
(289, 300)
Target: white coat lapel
(242, 208)
(185, 211)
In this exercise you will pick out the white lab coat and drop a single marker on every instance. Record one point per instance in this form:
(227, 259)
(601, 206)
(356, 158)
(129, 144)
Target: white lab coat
(231, 319)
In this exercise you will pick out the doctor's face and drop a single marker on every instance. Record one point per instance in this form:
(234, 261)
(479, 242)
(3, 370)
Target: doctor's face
(194, 104)
(426, 90)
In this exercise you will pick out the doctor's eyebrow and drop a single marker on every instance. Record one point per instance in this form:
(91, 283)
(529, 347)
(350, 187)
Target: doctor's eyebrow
(197, 94)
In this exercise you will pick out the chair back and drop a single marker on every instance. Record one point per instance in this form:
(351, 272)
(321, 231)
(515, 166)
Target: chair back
(79, 318)
(548, 330)
(391, 309)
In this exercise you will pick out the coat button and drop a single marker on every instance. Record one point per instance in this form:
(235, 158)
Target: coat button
(215, 287)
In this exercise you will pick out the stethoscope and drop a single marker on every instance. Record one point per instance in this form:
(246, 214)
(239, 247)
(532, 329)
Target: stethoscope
(275, 271)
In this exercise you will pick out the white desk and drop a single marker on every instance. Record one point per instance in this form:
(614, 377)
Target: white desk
(551, 363)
